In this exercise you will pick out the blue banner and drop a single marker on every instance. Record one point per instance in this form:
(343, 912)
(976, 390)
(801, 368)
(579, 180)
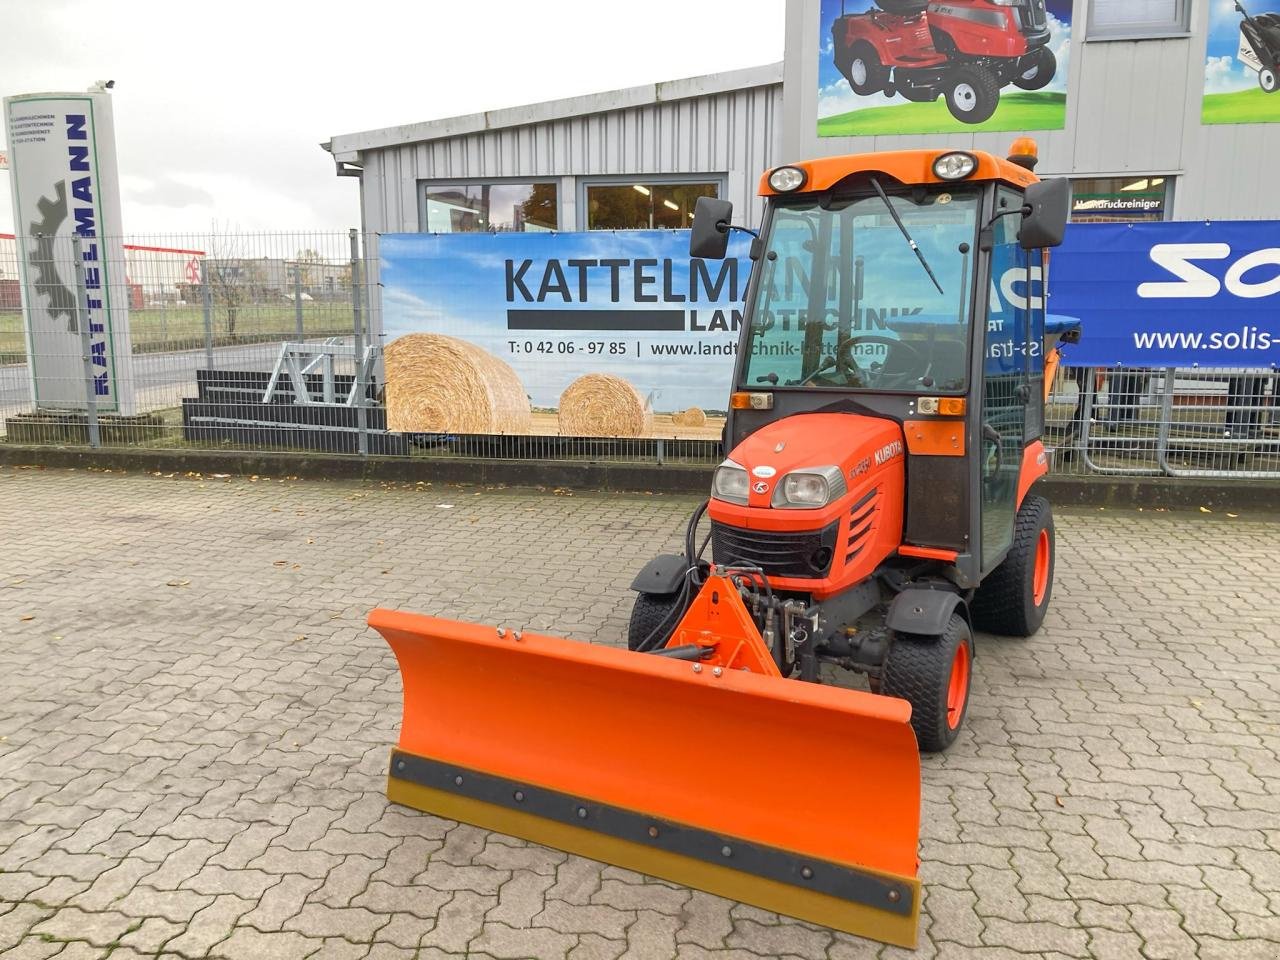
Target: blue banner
(1171, 294)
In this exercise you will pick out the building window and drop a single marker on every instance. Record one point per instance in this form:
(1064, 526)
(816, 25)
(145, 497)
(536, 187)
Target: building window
(1109, 199)
(1137, 19)
(488, 207)
(646, 204)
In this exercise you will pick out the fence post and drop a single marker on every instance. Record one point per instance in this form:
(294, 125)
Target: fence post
(297, 299)
(86, 349)
(362, 419)
(208, 323)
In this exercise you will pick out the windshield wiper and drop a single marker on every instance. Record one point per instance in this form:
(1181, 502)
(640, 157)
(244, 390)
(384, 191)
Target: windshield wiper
(901, 226)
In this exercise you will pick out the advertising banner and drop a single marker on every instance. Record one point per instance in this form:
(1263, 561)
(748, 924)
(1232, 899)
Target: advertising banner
(1242, 62)
(1171, 294)
(554, 307)
(914, 66)
(63, 171)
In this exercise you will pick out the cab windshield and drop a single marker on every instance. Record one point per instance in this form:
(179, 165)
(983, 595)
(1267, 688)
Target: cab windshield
(846, 303)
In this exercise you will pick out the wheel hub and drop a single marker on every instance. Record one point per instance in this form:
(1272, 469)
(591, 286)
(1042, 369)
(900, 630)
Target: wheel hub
(958, 687)
(964, 97)
(858, 71)
(1040, 576)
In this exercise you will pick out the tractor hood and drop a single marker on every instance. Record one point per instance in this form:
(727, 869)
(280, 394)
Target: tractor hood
(858, 445)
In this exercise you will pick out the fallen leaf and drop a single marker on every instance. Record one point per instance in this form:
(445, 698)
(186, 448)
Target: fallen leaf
(444, 506)
(1058, 800)
(29, 616)
(280, 563)
(178, 583)
(297, 566)
(1233, 516)
(1205, 510)
(311, 540)
(20, 580)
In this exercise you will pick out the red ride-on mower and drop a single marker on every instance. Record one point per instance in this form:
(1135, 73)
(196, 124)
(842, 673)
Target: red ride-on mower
(1260, 46)
(965, 50)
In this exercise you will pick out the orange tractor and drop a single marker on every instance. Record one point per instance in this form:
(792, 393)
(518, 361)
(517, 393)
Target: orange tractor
(873, 510)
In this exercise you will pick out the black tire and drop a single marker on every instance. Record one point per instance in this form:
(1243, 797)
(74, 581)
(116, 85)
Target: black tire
(919, 670)
(1005, 603)
(866, 74)
(1041, 64)
(651, 611)
(972, 94)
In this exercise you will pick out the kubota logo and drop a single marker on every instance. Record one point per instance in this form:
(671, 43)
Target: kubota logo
(888, 452)
(1195, 282)
(760, 487)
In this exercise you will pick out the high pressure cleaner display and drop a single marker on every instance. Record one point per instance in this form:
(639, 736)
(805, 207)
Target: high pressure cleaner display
(915, 66)
(1242, 62)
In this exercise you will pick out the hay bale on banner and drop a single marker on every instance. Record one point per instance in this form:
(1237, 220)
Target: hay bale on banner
(439, 384)
(693, 417)
(602, 405)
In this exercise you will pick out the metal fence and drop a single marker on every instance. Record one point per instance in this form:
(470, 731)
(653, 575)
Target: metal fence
(256, 342)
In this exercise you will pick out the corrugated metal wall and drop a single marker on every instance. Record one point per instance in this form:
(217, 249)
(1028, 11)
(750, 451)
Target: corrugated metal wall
(734, 134)
(1133, 107)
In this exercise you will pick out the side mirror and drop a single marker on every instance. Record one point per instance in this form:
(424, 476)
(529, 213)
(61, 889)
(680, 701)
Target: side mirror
(1044, 220)
(709, 239)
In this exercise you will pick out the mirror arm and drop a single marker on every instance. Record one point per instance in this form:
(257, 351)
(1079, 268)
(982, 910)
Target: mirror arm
(986, 237)
(724, 227)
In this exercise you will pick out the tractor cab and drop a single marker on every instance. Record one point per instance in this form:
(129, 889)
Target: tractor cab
(893, 338)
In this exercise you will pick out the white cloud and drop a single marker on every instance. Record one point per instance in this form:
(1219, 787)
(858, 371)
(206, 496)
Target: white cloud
(1224, 75)
(838, 98)
(1060, 44)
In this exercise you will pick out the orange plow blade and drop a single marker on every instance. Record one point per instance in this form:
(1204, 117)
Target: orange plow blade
(794, 797)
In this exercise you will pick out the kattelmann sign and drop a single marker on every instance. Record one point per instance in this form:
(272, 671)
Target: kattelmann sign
(1171, 294)
(63, 171)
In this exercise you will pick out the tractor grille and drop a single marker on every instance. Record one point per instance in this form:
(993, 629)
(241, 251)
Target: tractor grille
(861, 517)
(1032, 16)
(806, 555)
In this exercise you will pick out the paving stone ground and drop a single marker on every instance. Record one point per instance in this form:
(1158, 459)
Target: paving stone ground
(194, 723)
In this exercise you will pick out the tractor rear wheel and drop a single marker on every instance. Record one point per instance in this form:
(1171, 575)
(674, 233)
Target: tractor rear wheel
(972, 94)
(1036, 69)
(653, 618)
(934, 675)
(1015, 596)
(867, 75)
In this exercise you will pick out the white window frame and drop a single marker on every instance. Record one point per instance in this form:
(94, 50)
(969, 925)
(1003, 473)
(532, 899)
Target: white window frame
(423, 186)
(1180, 26)
(721, 180)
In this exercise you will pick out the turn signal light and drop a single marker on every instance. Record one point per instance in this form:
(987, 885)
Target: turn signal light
(751, 401)
(941, 406)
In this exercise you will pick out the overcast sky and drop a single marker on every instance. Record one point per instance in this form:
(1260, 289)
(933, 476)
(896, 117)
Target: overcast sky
(220, 107)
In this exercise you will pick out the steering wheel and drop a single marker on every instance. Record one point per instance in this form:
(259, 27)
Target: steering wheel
(846, 362)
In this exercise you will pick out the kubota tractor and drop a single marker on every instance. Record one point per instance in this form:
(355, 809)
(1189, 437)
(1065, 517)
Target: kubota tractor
(873, 510)
(964, 50)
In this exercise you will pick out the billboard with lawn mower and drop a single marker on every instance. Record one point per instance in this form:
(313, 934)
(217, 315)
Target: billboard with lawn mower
(1242, 62)
(916, 66)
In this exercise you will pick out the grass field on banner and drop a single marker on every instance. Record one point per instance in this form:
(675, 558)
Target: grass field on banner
(1017, 111)
(1243, 106)
(182, 327)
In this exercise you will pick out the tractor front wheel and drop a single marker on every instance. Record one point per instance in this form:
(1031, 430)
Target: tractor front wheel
(934, 675)
(653, 620)
(1267, 80)
(973, 94)
(1015, 596)
(1036, 69)
(867, 75)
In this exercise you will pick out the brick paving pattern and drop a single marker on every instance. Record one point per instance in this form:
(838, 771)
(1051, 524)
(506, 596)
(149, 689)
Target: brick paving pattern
(194, 723)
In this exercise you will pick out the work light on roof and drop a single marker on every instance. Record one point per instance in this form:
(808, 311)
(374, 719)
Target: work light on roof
(955, 166)
(786, 179)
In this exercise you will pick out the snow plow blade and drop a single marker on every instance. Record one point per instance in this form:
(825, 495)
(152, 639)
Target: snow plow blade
(794, 797)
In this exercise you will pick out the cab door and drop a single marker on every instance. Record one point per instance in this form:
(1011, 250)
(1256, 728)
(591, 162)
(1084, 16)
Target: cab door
(1006, 386)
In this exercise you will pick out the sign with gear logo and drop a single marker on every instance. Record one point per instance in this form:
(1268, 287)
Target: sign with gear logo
(62, 167)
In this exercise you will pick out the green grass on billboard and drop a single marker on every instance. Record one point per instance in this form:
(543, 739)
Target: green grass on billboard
(1244, 106)
(1017, 111)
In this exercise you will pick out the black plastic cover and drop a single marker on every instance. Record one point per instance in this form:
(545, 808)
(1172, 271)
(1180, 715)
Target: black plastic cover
(921, 611)
(661, 575)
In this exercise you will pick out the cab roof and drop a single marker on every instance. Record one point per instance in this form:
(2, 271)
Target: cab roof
(905, 166)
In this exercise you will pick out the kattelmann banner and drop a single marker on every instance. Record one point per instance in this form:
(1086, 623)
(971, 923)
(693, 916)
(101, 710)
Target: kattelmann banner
(1171, 294)
(555, 306)
(63, 170)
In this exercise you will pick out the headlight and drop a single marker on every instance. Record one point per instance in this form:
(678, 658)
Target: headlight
(810, 488)
(730, 483)
(786, 179)
(955, 166)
